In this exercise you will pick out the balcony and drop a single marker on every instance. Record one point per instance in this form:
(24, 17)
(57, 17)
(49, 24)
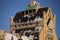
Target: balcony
(28, 24)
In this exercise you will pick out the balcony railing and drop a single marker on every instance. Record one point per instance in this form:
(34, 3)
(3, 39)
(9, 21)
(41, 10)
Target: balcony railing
(28, 24)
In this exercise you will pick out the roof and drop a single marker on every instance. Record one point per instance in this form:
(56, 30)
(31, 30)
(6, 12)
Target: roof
(20, 15)
(43, 9)
(31, 7)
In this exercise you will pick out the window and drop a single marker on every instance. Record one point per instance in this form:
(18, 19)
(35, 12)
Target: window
(50, 38)
(15, 26)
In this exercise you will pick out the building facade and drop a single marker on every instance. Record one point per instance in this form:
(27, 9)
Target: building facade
(4, 35)
(34, 23)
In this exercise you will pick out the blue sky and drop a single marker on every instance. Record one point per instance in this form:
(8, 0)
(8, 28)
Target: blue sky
(10, 7)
